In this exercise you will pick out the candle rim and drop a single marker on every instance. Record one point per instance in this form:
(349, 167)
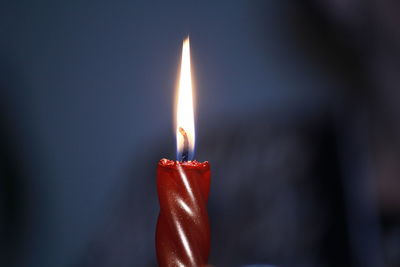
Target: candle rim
(189, 164)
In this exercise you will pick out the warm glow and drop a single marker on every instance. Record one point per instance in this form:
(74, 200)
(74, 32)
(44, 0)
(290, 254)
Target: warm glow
(184, 111)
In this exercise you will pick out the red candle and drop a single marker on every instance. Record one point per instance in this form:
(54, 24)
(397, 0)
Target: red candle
(183, 230)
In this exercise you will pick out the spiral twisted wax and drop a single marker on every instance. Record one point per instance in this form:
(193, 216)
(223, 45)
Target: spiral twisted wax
(183, 229)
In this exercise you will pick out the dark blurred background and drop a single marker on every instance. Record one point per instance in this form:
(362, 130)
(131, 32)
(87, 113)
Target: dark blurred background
(298, 112)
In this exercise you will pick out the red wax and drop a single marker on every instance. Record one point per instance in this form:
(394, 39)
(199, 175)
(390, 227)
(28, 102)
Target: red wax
(183, 229)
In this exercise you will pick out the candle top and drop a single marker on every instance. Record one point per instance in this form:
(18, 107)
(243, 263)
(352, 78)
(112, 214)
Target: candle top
(189, 164)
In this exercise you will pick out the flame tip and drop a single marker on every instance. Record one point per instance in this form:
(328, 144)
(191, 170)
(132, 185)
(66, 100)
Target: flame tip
(186, 40)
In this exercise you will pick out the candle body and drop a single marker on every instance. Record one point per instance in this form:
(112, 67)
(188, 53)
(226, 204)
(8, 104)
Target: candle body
(183, 229)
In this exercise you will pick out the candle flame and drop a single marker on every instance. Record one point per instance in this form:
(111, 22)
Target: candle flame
(184, 111)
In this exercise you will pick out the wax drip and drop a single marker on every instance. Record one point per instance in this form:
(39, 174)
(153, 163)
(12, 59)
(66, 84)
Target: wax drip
(185, 150)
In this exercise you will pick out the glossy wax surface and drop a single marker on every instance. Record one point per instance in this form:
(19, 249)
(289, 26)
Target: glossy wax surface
(183, 229)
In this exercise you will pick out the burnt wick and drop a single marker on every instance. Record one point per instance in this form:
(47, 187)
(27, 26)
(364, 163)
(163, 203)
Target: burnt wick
(185, 150)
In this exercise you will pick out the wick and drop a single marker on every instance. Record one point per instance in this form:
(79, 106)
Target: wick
(185, 150)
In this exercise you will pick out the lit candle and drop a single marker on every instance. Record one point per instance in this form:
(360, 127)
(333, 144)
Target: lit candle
(183, 230)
